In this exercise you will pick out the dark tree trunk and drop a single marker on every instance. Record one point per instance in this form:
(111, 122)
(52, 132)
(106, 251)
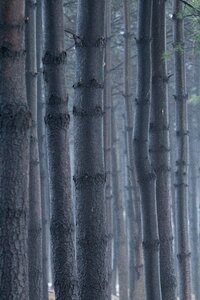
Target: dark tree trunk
(57, 121)
(121, 241)
(35, 221)
(159, 150)
(145, 173)
(184, 255)
(107, 142)
(89, 176)
(42, 154)
(14, 153)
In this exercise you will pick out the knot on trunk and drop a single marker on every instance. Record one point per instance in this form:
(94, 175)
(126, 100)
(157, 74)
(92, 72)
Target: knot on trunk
(86, 180)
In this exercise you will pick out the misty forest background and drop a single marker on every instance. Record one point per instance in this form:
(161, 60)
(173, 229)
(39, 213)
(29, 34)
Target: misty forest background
(99, 149)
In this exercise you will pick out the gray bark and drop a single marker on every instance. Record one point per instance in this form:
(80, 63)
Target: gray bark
(121, 241)
(183, 255)
(57, 121)
(89, 175)
(107, 142)
(193, 195)
(35, 221)
(14, 153)
(145, 173)
(42, 154)
(159, 150)
(136, 267)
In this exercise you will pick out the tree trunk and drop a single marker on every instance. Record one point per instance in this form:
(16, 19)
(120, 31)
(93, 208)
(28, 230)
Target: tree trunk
(89, 176)
(136, 274)
(145, 173)
(107, 142)
(121, 242)
(35, 221)
(184, 255)
(14, 153)
(159, 149)
(57, 121)
(42, 155)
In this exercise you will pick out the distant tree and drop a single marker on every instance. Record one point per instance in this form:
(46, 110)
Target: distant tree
(145, 173)
(57, 121)
(35, 218)
(184, 255)
(107, 141)
(121, 241)
(159, 150)
(44, 182)
(14, 153)
(89, 175)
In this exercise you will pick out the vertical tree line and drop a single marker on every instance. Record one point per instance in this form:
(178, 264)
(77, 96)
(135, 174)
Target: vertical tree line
(99, 150)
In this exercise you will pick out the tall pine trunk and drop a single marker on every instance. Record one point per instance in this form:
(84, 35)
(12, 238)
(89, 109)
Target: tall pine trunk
(42, 152)
(121, 241)
(57, 121)
(184, 255)
(145, 173)
(136, 267)
(14, 153)
(35, 221)
(107, 142)
(159, 149)
(89, 176)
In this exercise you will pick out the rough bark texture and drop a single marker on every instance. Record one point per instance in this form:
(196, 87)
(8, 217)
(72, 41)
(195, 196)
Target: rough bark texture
(57, 120)
(107, 142)
(145, 173)
(121, 241)
(159, 150)
(89, 175)
(42, 154)
(14, 153)
(184, 255)
(35, 221)
(136, 267)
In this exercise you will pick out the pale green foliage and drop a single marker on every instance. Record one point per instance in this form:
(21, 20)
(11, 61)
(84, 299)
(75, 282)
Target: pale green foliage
(194, 99)
(166, 55)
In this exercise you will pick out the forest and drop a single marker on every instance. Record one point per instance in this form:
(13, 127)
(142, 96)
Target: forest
(99, 150)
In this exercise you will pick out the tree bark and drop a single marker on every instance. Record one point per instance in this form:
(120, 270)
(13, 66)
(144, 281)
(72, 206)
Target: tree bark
(136, 267)
(145, 173)
(160, 150)
(121, 241)
(35, 221)
(107, 142)
(184, 255)
(14, 153)
(57, 121)
(89, 175)
(42, 153)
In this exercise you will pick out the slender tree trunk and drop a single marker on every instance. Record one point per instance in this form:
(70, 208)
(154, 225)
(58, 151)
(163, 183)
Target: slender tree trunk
(14, 153)
(122, 252)
(145, 173)
(89, 176)
(57, 121)
(193, 191)
(184, 255)
(42, 153)
(35, 221)
(107, 142)
(159, 149)
(134, 212)
(114, 249)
